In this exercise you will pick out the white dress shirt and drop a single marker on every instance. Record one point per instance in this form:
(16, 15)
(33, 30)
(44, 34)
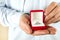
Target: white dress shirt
(10, 11)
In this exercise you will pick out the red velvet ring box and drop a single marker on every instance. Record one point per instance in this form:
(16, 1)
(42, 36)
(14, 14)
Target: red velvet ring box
(37, 20)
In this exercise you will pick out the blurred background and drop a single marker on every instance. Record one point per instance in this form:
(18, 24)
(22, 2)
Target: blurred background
(3, 32)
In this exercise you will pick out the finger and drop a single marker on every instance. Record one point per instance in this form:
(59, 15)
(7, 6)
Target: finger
(40, 32)
(55, 18)
(52, 30)
(24, 24)
(52, 14)
(26, 28)
(50, 8)
(26, 16)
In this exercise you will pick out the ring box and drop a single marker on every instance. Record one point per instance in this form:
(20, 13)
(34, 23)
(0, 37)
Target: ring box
(37, 20)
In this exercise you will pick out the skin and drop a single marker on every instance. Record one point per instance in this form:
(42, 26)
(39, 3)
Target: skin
(25, 26)
(52, 14)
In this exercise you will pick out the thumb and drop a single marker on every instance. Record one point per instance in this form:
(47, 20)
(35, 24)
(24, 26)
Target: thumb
(26, 27)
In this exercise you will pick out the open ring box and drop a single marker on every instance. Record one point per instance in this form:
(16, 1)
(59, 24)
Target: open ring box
(37, 20)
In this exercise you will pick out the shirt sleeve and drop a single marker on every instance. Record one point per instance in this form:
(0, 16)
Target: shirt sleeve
(8, 16)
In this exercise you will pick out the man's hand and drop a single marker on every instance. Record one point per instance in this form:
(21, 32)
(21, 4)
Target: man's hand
(51, 29)
(52, 13)
(25, 23)
(25, 26)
